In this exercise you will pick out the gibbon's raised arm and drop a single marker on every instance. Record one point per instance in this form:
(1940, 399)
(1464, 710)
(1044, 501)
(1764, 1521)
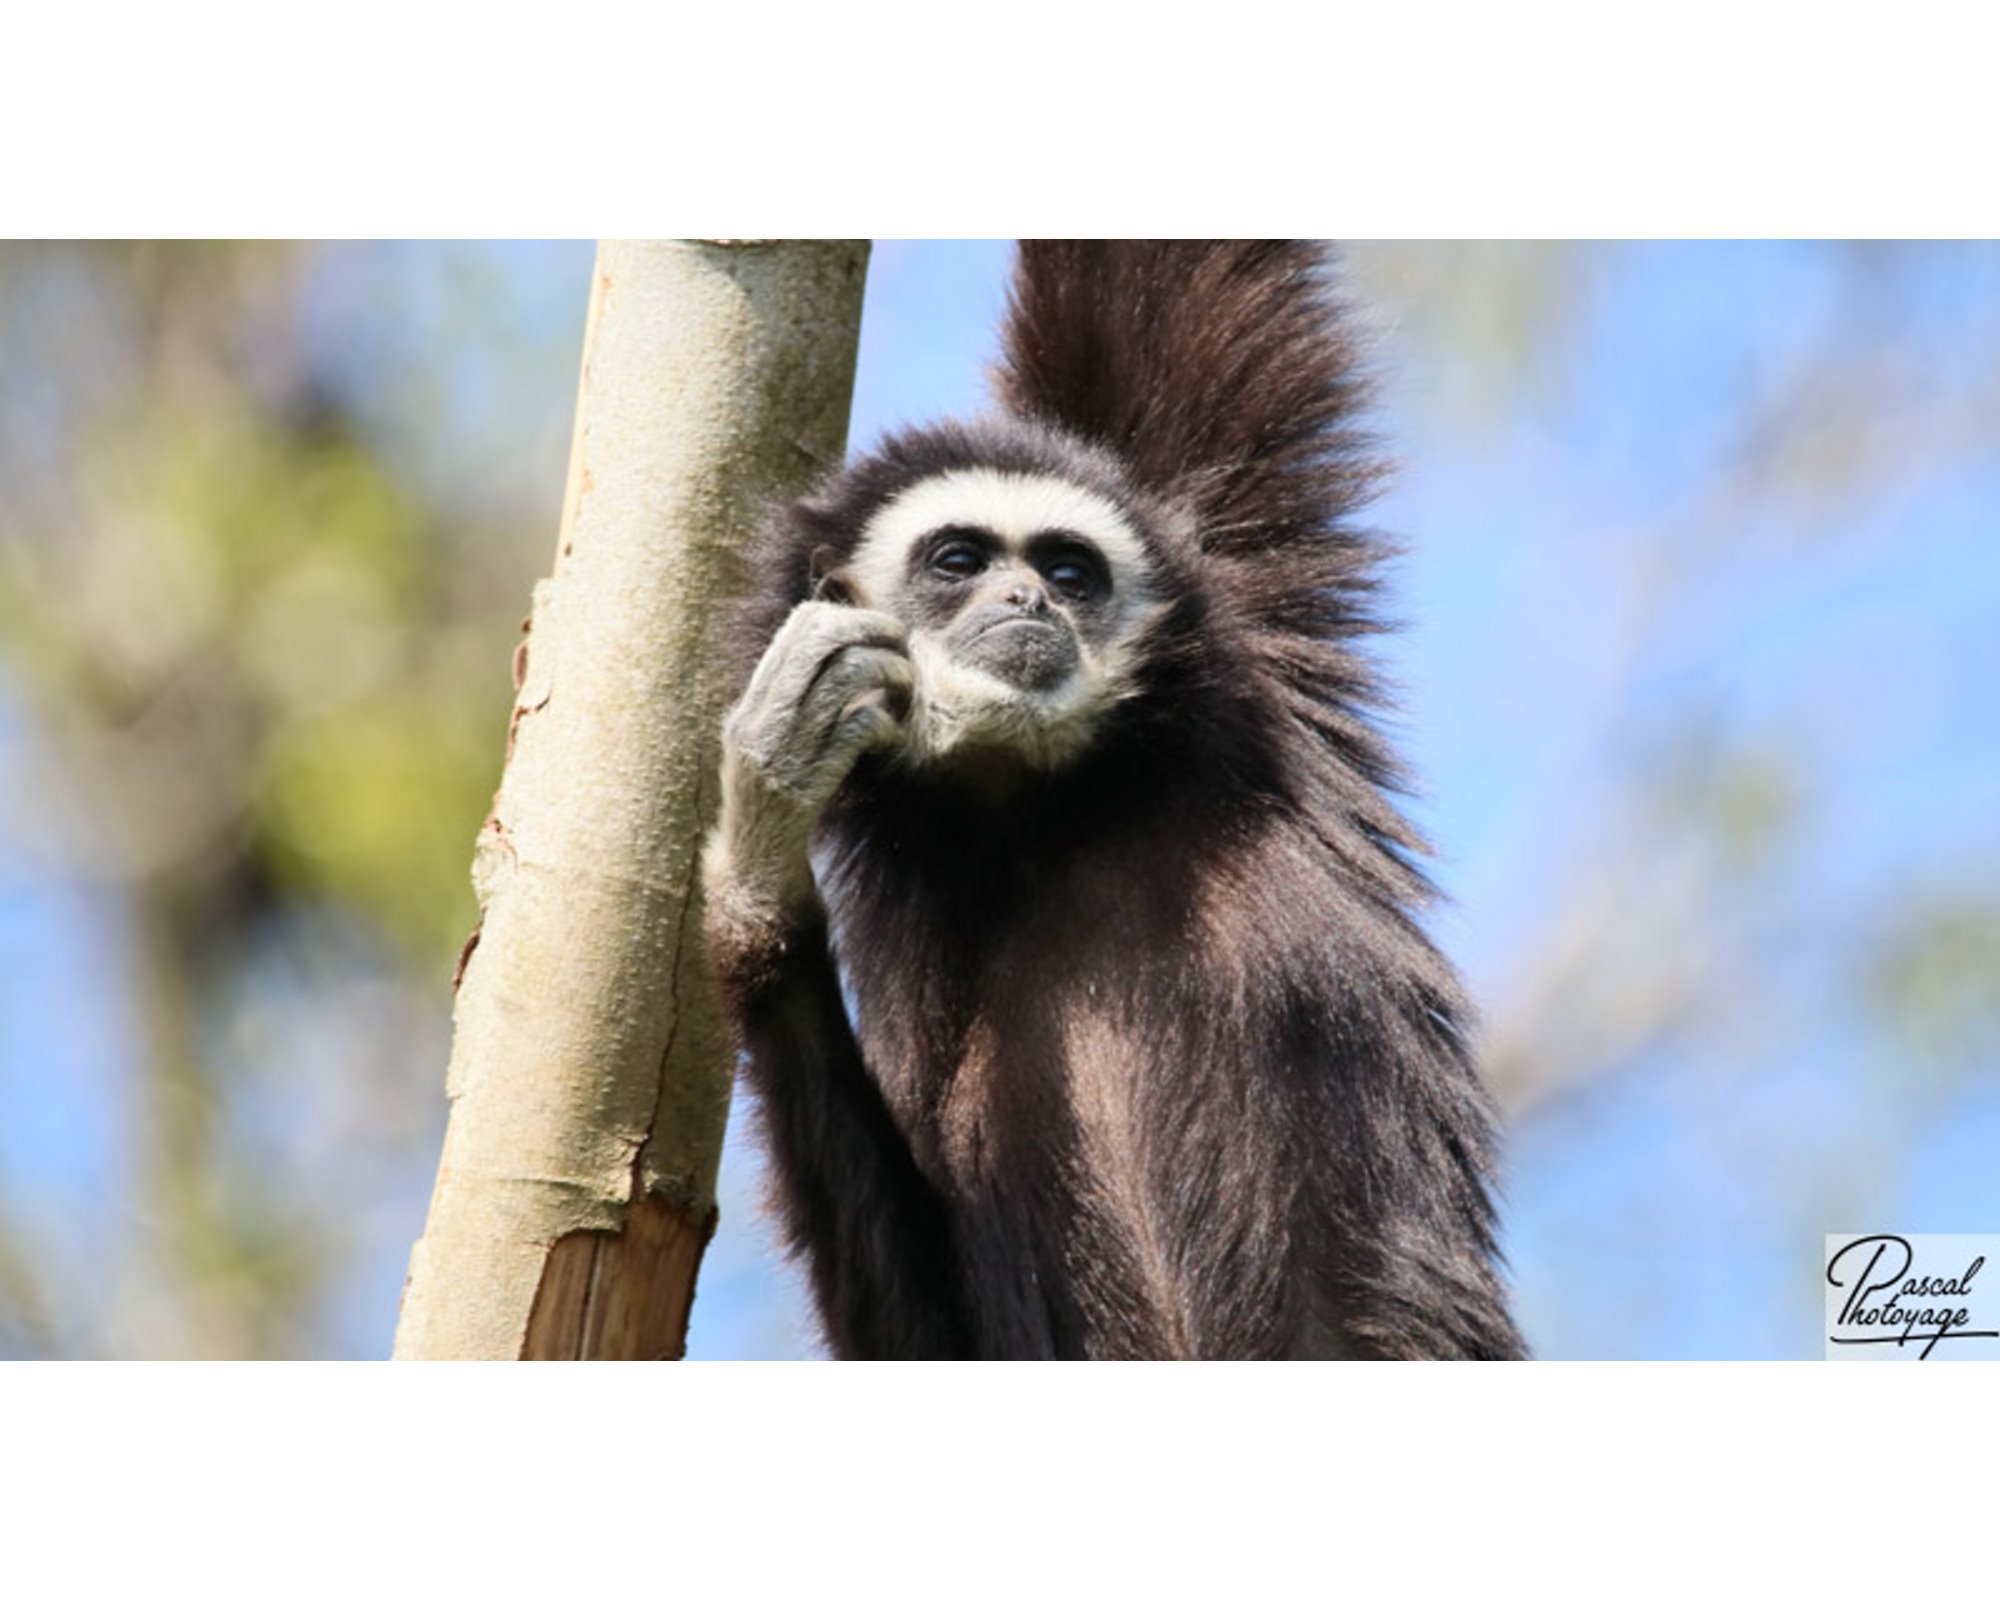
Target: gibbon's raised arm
(1055, 733)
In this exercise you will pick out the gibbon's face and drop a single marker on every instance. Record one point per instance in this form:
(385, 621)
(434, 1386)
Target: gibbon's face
(1025, 596)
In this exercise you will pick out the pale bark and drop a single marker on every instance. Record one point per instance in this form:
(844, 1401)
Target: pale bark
(589, 1075)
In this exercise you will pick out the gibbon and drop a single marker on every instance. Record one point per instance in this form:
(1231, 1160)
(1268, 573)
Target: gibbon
(1059, 897)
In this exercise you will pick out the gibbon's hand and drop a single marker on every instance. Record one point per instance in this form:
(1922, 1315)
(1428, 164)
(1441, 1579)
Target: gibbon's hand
(834, 684)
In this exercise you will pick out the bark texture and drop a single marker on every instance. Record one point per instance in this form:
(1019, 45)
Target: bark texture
(590, 1076)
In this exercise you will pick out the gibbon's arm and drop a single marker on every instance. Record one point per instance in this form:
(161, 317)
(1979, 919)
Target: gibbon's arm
(874, 1232)
(876, 1235)
(1399, 1168)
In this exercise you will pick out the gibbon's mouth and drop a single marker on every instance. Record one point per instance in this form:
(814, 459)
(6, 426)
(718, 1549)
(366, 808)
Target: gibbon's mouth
(1048, 624)
(1034, 653)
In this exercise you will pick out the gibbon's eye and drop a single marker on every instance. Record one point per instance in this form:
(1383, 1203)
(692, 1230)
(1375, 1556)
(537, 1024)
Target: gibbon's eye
(959, 561)
(1069, 578)
(1073, 574)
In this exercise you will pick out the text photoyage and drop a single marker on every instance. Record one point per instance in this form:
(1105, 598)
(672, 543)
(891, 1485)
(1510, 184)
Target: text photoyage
(1911, 1296)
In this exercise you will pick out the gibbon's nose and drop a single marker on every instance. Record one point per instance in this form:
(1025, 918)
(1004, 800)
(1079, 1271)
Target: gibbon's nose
(1027, 594)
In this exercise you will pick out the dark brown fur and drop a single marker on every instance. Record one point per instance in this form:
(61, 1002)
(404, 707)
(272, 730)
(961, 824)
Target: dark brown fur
(1149, 1056)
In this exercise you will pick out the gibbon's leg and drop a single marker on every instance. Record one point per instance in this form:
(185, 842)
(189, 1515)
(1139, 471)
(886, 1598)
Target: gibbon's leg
(834, 683)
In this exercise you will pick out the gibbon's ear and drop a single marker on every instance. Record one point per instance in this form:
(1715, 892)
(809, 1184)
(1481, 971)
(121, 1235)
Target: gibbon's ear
(829, 581)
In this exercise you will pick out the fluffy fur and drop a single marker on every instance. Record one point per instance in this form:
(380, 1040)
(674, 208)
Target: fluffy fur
(1136, 1049)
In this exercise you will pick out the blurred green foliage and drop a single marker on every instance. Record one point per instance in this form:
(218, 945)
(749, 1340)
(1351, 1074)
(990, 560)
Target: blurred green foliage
(268, 662)
(1935, 980)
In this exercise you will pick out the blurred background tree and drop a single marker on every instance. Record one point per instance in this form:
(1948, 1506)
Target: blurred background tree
(271, 515)
(1699, 682)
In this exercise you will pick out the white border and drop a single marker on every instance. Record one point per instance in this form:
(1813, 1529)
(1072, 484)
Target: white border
(773, 1478)
(1425, 119)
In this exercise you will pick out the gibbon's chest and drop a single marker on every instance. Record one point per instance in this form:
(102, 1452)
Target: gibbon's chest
(1013, 1031)
(1031, 1092)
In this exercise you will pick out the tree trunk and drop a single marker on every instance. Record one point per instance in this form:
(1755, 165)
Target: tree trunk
(589, 1077)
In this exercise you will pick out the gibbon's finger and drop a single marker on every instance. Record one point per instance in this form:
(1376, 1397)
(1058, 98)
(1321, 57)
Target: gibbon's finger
(851, 671)
(859, 686)
(826, 624)
(814, 630)
(867, 723)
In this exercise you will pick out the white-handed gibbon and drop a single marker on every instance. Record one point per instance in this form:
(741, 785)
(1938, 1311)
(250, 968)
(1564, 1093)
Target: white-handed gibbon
(1059, 897)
